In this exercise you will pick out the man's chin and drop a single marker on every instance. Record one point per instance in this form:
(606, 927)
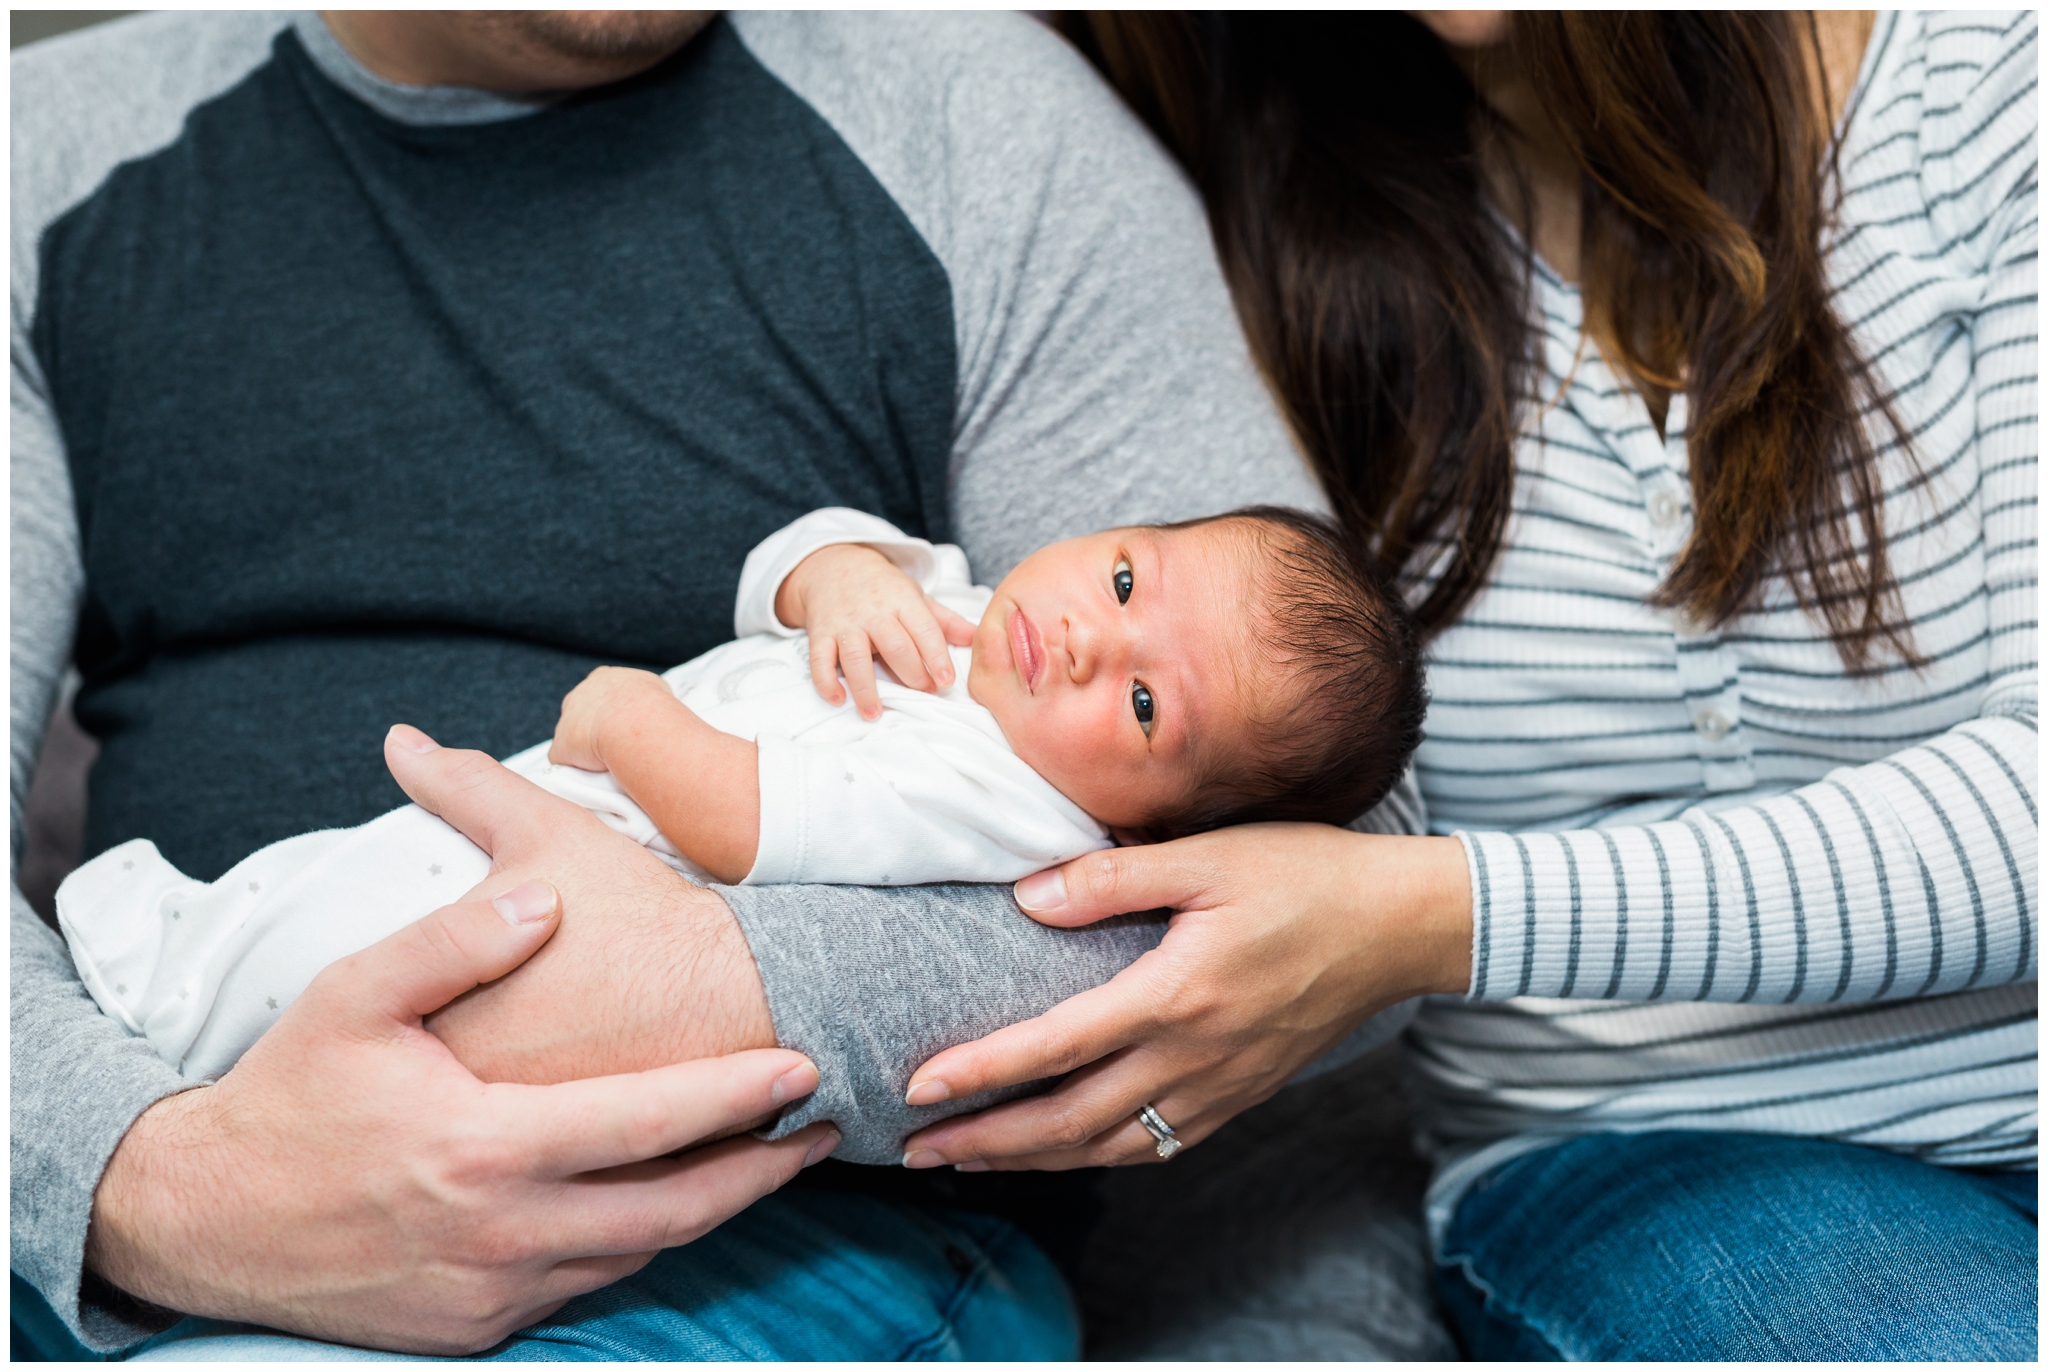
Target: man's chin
(606, 36)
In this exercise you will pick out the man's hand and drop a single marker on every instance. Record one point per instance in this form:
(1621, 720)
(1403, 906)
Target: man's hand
(351, 1180)
(607, 697)
(857, 605)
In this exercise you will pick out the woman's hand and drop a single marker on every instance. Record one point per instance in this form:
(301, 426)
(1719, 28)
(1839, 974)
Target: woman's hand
(604, 700)
(856, 605)
(1284, 938)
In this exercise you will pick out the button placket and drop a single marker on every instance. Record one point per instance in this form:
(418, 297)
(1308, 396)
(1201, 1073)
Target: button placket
(1707, 667)
(1666, 496)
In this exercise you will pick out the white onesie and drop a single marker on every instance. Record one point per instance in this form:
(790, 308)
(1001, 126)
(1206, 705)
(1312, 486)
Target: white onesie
(928, 792)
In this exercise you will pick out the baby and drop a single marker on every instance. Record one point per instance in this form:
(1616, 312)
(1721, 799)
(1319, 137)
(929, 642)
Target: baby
(1133, 685)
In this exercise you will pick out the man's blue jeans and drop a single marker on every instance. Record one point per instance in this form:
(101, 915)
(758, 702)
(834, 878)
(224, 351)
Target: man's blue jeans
(801, 1275)
(1683, 1245)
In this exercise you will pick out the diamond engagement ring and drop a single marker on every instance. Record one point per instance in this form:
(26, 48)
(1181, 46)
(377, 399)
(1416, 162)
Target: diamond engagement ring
(1166, 1144)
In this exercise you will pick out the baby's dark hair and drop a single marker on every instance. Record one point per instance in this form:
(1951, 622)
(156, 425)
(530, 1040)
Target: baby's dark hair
(1342, 728)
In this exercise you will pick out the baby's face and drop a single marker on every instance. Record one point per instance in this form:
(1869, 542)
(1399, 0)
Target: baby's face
(1114, 663)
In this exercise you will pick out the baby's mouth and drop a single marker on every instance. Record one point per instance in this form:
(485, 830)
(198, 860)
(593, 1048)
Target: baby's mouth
(1027, 650)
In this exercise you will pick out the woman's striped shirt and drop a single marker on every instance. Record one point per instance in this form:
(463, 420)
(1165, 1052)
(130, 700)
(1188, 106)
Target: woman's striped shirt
(1717, 882)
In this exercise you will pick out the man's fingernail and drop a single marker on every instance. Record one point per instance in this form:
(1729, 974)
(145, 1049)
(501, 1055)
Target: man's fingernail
(526, 902)
(799, 1080)
(976, 1166)
(1045, 890)
(822, 1149)
(923, 1157)
(928, 1093)
(411, 739)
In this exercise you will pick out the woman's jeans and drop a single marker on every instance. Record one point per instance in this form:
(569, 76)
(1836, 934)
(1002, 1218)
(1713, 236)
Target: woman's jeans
(1689, 1245)
(801, 1275)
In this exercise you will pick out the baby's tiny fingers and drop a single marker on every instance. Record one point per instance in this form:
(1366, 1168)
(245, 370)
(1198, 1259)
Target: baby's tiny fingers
(897, 645)
(856, 660)
(958, 629)
(825, 668)
(931, 648)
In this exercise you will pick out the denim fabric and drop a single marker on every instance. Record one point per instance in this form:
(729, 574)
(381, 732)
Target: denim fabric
(801, 1275)
(1694, 1245)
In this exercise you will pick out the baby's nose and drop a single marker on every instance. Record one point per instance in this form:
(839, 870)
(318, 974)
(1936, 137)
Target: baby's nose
(1090, 649)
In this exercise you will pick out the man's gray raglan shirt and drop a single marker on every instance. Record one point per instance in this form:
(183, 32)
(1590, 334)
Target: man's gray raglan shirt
(1101, 379)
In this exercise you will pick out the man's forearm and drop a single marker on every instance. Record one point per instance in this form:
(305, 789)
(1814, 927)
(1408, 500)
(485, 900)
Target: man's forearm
(867, 982)
(660, 979)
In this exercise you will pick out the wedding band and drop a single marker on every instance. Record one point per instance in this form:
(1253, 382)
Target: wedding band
(1166, 1145)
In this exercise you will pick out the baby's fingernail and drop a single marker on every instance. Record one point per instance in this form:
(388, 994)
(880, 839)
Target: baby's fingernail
(799, 1080)
(976, 1166)
(526, 902)
(411, 739)
(923, 1157)
(928, 1093)
(1045, 890)
(822, 1149)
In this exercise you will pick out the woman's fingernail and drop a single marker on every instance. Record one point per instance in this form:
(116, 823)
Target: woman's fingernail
(526, 902)
(923, 1157)
(928, 1093)
(799, 1080)
(411, 739)
(822, 1149)
(1045, 890)
(976, 1166)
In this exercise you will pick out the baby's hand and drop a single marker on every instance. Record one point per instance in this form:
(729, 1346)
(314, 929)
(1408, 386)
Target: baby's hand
(856, 604)
(604, 702)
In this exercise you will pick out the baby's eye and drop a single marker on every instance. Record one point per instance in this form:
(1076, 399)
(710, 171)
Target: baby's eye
(1121, 579)
(1141, 705)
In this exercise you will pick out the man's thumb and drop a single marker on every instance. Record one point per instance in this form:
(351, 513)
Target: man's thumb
(430, 962)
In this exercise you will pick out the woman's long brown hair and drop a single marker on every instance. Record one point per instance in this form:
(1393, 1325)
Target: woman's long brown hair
(1386, 298)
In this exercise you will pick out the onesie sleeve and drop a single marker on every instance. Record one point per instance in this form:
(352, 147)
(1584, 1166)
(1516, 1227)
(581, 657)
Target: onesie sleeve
(938, 567)
(912, 802)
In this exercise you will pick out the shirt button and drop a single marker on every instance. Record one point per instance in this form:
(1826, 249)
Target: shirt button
(1712, 725)
(1665, 509)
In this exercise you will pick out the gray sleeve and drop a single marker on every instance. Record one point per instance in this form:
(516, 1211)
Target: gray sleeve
(77, 1079)
(1103, 378)
(870, 983)
(79, 106)
(1103, 381)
